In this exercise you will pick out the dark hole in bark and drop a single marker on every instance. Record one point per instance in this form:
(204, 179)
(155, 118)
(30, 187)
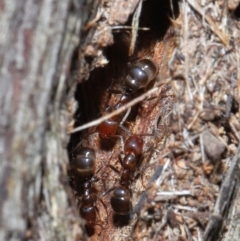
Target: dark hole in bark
(156, 16)
(237, 13)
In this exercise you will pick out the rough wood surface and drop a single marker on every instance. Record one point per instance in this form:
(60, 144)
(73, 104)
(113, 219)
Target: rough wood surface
(36, 45)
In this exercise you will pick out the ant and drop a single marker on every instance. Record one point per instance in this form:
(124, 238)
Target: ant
(139, 76)
(84, 166)
(121, 198)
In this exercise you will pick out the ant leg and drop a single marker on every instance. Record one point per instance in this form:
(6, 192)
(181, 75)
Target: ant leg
(95, 178)
(108, 191)
(81, 142)
(158, 119)
(98, 213)
(139, 169)
(120, 159)
(76, 147)
(125, 129)
(125, 116)
(114, 169)
(124, 119)
(122, 143)
(104, 205)
(140, 172)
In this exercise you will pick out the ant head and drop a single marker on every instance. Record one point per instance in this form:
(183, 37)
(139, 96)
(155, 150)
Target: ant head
(134, 144)
(149, 66)
(108, 128)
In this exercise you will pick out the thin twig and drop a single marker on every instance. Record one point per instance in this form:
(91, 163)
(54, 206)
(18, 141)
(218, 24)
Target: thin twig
(135, 24)
(114, 113)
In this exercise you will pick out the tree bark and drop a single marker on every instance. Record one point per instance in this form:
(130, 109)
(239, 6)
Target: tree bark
(37, 42)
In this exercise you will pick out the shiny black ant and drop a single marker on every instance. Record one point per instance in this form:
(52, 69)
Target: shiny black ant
(84, 166)
(121, 198)
(139, 75)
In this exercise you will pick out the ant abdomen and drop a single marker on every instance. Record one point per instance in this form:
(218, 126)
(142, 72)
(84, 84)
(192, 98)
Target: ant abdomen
(136, 78)
(140, 74)
(121, 201)
(88, 213)
(108, 128)
(84, 163)
(149, 66)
